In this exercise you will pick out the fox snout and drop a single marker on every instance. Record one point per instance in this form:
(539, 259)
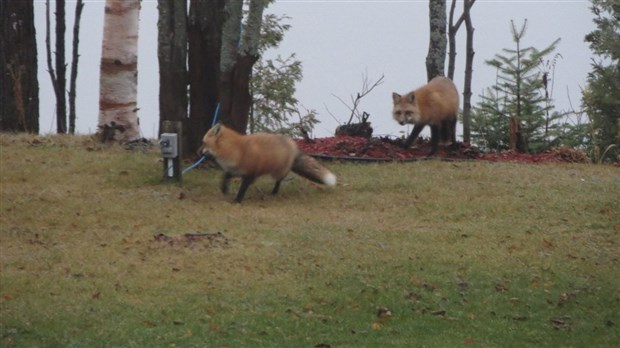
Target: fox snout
(204, 150)
(401, 123)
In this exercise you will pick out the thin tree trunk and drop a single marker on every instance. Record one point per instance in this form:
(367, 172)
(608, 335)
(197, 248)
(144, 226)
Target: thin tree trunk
(205, 43)
(468, 71)
(172, 54)
(436, 57)
(19, 87)
(452, 30)
(61, 68)
(79, 5)
(118, 119)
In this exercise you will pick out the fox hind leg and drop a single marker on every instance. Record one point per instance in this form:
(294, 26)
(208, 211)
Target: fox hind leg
(435, 130)
(446, 132)
(453, 148)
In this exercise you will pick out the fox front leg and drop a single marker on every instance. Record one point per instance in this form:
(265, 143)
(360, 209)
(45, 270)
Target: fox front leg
(246, 181)
(277, 187)
(225, 182)
(414, 134)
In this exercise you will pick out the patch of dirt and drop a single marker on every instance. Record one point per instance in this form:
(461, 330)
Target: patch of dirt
(385, 149)
(195, 240)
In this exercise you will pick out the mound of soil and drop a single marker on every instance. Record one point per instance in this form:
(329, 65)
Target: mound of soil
(385, 149)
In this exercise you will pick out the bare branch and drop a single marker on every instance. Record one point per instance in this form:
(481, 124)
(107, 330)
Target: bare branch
(330, 113)
(50, 67)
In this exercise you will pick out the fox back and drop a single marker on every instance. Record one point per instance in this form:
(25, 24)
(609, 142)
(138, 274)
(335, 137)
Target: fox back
(253, 155)
(432, 104)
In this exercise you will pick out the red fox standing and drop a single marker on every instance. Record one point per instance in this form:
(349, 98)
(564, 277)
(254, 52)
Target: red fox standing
(435, 104)
(251, 156)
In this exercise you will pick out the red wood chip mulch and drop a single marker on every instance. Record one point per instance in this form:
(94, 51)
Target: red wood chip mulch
(386, 149)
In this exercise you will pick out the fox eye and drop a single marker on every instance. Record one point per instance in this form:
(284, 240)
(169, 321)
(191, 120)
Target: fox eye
(408, 113)
(398, 113)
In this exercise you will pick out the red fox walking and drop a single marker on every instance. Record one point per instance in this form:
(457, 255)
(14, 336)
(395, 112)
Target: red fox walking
(435, 104)
(251, 156)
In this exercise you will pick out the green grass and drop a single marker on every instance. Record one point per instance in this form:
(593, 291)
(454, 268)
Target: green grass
(462, 254)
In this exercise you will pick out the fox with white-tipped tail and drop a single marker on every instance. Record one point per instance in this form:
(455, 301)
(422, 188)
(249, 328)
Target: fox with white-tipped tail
(252, 156)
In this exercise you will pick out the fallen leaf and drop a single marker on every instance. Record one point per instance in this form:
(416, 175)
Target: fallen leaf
(501, 288)
(468, 341)
(376, 326)
(548, 244)
(384, 313)
(561, 323)
(322, 345)
(565, 297)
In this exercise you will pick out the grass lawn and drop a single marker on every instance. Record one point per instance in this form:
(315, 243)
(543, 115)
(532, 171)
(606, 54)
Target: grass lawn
(425, 254)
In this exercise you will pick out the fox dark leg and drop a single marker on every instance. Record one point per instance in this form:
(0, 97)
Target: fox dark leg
(453, 130)
(225, 181)
(414, 134)
(246, 181)
(434, 140)
(454, 147)
(446, 132)
(277, 187)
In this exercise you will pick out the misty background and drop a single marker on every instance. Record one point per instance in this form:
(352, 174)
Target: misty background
(338, 43)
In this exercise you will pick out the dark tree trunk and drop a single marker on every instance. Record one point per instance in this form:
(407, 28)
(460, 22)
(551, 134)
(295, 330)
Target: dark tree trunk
(236, 94)
(172, 54)
(74, 64)
(61, 69)
(19, 87)
(436, 57)
(205, 40)
(231, 40)
(468, 72)
(239, 53)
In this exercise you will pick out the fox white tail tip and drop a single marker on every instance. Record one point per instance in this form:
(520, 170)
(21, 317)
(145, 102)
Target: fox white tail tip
(329, 179)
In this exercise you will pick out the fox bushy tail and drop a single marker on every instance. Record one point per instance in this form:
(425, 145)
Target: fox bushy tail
(312, 170)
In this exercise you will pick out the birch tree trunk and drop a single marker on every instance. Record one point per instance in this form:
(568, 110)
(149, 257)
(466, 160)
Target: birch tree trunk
(436, 57)
(19, 86)
(118, 119)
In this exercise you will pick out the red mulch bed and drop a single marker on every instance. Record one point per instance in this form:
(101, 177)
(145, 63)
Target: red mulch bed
(386, 149)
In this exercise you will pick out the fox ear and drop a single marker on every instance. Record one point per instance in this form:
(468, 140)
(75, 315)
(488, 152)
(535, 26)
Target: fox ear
(395, 97)
(411, 98)
(216, 129)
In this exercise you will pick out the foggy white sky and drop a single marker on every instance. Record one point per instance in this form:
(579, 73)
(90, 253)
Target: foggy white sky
(338, 42)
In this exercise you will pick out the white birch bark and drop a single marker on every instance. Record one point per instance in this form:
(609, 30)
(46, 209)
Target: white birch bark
(118, 82)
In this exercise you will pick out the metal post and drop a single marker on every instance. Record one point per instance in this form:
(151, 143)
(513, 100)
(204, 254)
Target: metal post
(170, 142)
